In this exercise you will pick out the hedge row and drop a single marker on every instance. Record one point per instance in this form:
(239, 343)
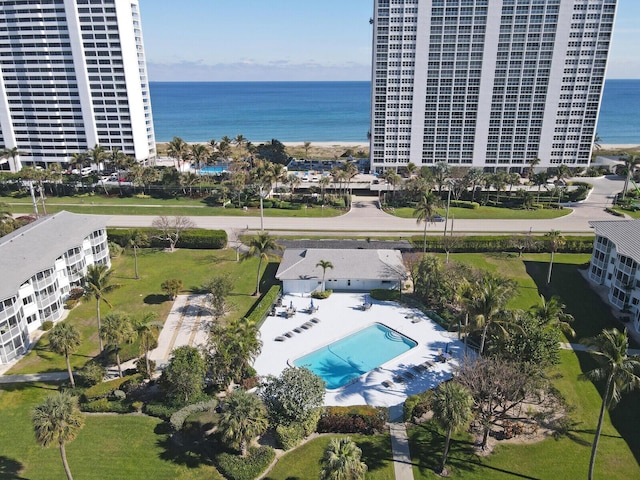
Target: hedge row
(196, 238)
(102, 390)
(502, 243)
(417, 405)
(177, 419)
(358, 419)
(236, 467)
(465, 204)
(259, 312)
(385, 294)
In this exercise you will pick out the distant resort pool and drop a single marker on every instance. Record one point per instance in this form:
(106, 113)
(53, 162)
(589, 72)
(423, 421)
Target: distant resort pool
(213, 170)
(350, 357)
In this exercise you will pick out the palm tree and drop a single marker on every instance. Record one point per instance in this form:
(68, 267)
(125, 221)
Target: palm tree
(261, 246)
(630, 163)
(12, 153)
(324, 264)
(177, 150)
(451, 407)
(117, 329)
(540, 179)
(619, 370)
(148, 329)
(243, 417)
(324, 183)
(486, 301)
(532, 165)
(597, 141)
(138, 239)
(554, 241)
(424, 212)
(341, 461)
(199, 154)
(64, 339)
(97, 155)
(58, 420)
(306, 146)
(97, 284)
(551, 313)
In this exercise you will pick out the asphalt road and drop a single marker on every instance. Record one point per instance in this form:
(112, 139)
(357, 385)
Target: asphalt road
(366, 219)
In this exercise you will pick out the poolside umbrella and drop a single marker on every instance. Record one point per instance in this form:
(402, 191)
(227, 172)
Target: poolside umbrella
(291, 305)
(312, 303)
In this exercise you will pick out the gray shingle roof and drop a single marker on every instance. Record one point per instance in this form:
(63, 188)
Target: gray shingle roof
(298, 264)
(625, 234)
(36, 246)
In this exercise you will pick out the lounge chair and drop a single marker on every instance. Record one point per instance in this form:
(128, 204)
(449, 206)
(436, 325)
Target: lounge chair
(315, 320)
(365, 306)
(416, 320)
(304, 326)
(387, 383)
(427, 365)
(409, 375)
(288, 334)
(308, 324)
(280, 339)
(399, 379)
(297, 330)
(418, 369)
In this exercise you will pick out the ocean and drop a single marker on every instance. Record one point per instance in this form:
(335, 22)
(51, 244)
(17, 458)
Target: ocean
(320, 111)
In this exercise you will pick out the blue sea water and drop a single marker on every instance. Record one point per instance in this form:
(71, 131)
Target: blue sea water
(320, 111)
(287, 111)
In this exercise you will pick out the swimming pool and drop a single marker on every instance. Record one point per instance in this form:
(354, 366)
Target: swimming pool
(346, 359)
(213, 170)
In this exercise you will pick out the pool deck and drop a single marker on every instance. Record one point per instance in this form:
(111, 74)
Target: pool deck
(340, 315)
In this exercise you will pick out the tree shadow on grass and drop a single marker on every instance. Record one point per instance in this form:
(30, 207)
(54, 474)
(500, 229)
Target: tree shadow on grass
(192, 451)
(155, 299)
(10, 469)
(374, 454)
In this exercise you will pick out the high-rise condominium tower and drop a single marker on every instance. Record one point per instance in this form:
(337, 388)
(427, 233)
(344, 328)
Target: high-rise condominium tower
(493, 84)
(72, 76)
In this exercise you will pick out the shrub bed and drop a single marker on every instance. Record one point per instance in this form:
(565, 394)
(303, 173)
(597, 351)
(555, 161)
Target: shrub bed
(178, 418)
(321, 295)
(289, 436)
(385, 295)
(358, 419)
(196, 238)
(502, 243)
(160, 410)
(465, 204)
(235, 467)
(259, 312)
(417, 405)
(104, 389)
(104, 405)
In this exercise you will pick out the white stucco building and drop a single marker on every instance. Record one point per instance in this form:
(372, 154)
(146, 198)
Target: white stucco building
(40, 263)
(73, 75)
(353, 270)
(487, 83)
(614, 264)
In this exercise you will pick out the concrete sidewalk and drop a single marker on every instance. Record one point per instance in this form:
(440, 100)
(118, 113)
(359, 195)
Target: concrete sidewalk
(35, 377)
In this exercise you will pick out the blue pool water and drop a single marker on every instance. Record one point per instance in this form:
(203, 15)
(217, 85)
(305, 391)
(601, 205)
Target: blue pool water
(212, 170)
(345, 360)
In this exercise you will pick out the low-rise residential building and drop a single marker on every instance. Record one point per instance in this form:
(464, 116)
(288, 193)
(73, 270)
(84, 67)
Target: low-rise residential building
(353, 270)
(40, 263)
(614, 264)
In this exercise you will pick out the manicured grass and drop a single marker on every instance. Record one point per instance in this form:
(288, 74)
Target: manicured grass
(136, 297)
(487, 213)
(304, 462)
(108, 447)
(631, 213)
(567, 457)
(101, 205)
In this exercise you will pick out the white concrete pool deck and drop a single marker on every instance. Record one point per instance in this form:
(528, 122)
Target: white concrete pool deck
(340, 315)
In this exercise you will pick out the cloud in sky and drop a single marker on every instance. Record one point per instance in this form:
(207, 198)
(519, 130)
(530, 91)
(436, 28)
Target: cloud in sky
(249, 70)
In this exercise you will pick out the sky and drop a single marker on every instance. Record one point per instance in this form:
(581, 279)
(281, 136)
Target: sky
(299, 40)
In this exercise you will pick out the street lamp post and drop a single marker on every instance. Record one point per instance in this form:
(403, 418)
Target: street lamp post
(261, 211)
(446, 216)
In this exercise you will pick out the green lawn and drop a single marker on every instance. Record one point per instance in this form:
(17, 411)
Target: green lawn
(98, 204)
(487, 213)
(135, 297)
(108, 447)
(304, 462)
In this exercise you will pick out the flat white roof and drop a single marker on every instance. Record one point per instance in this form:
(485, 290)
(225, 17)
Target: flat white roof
(340, 315)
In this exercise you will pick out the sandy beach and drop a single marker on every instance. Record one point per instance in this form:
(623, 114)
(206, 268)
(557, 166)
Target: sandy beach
(619, 146)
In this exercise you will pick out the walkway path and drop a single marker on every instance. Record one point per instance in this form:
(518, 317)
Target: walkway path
(402, 466)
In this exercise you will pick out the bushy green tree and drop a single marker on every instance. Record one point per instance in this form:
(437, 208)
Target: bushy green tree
(117, 329)
(172, 287)
(183, 377)
(293, 396)
(218, 289)
(531, 342)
